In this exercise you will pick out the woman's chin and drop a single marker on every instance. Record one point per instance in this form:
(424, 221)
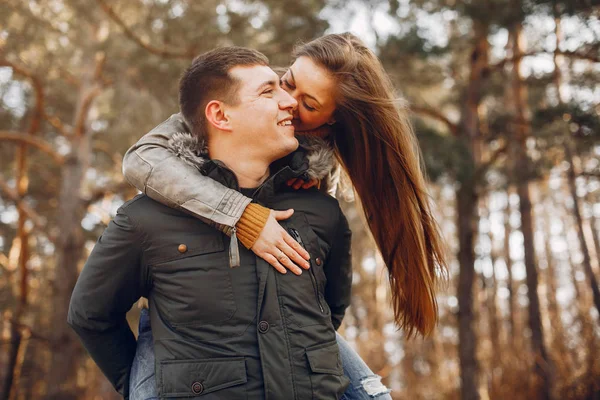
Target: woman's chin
(303, 130)
(322, 131)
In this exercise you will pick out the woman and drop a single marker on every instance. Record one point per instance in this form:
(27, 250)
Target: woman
(345, 97)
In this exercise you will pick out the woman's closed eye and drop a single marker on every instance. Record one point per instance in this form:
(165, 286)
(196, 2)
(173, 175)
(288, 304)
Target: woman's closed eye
(309, 108)
(285, 82)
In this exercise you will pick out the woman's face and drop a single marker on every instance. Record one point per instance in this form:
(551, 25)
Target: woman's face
(313, 87)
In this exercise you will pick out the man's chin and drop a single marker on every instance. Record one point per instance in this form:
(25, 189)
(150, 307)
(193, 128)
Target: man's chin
(293, 144)
(288, 129)
(290, 145)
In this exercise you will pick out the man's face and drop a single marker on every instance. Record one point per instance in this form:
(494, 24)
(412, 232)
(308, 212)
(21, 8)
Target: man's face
(262, 119)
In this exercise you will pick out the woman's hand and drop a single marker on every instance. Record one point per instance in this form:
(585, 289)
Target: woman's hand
(298, 183)
(278, 248)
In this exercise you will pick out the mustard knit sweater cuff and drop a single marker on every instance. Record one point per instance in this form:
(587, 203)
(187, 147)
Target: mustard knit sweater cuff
(251, 224)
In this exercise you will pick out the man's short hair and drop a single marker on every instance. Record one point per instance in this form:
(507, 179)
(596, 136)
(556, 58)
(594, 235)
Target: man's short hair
(208, 79)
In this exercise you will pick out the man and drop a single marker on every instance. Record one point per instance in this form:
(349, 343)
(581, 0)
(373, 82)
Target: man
(221, 332)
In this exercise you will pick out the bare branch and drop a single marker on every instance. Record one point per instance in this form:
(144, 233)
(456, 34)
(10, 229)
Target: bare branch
(484, 168)
(104, 147)
(162, 52)
(89, 91)
(26, 328)
(89, 97)
(102, 192)
(424, 111)
(39, 93)
(591, 174)
(12, 194)
(569, 54)
(68, 77)
(57, 124)
(34, 141)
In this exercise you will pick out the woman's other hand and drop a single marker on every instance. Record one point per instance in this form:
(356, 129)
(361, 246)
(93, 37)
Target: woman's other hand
(278, 248)
(298, 183)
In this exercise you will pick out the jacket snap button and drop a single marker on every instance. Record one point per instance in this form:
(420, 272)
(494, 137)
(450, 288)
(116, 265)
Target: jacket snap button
(318, 261)
(263, 326)
(182, 248)
(197, 387)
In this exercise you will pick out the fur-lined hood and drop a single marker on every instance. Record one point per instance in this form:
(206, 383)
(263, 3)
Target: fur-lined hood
(319, 153)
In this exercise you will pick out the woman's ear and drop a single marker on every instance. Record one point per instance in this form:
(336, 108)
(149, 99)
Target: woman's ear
(216, 115)
(331, 121)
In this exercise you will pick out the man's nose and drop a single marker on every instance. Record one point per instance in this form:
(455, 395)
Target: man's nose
(287, 101)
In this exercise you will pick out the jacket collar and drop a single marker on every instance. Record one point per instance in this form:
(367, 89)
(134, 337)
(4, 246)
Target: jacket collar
(195, 153)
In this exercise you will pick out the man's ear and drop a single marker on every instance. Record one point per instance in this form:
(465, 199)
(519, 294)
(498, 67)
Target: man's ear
(216, 115)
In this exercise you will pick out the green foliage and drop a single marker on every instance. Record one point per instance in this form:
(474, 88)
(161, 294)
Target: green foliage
(582, 125)
(445, 156)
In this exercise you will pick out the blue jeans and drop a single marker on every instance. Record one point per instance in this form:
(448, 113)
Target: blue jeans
(364, 384)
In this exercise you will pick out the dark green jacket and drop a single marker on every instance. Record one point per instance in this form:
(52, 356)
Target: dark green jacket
(220, 333)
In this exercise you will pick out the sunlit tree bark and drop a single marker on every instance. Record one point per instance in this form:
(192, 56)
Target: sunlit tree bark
(571, 180)
(542, 362)
(467, 218)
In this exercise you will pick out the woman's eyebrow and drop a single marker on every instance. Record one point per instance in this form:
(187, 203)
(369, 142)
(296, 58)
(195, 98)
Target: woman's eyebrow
(314, 99)
(307, 95)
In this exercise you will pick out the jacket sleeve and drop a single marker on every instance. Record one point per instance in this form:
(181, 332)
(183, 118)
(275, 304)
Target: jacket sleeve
(338, 271)
(111, 281)
(158, 172)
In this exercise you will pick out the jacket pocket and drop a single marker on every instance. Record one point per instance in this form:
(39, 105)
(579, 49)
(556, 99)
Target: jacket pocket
(302, 296)
(296, 235)
(327, 375)
(216, 378)
(192, 283)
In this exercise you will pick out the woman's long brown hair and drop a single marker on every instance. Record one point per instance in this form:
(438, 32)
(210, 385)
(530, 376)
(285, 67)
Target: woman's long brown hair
(376, 145)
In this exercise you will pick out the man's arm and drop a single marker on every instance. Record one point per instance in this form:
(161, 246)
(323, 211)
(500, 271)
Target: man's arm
(338, 271)
(111, 281)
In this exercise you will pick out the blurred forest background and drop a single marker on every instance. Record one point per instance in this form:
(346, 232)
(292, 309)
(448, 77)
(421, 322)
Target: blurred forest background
(506, 98)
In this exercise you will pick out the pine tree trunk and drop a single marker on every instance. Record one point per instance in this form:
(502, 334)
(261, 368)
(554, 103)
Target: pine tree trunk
(466, 200)
(408, 368)
(492, 290)
(571, 178)
(558, 333)
(66, 350)
(542, 361)
(467, 216)
(13, 350)
(11, 382)
(535, 321)
(69, 251)
(587, 262)
(595, 237)
(578, 295)
(510, 284)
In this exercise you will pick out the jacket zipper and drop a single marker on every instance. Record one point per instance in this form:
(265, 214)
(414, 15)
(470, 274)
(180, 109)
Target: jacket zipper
(296, 235)
(234, 250)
